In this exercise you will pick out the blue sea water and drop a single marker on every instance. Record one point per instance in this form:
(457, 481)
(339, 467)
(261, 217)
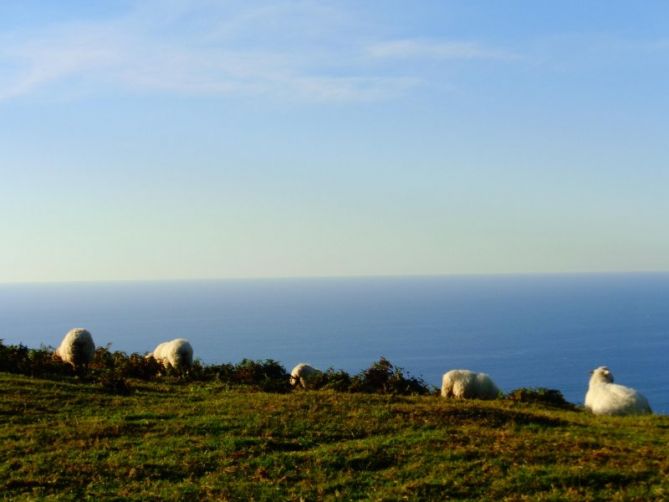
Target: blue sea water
(547, 331)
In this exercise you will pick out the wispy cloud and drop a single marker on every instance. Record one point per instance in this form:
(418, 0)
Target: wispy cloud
(416, 48)
(289, 50)
(37, 61)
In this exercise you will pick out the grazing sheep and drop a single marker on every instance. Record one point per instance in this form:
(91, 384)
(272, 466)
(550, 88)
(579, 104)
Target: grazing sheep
(465, 384)
(77, 348)
(177, 354)
(303, 374)
(607, 398)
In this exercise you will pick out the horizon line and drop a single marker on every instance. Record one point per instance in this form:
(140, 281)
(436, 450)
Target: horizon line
(342, 277)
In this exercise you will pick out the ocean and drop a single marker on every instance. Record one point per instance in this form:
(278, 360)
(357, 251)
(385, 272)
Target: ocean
(525, 331)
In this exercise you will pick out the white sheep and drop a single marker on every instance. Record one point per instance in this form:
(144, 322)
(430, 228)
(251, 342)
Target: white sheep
(77, 348)
(303, 374)
(607, 398)
(465, 384)
(177, 354)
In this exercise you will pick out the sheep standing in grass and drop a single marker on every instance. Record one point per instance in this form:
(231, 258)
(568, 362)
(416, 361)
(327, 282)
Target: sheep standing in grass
(465, 384)
(303, 375)
(77, 348)
(177, 354)
(607, 398)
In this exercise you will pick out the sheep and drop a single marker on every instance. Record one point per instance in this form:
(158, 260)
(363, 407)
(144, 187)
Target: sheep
(465, 384)
(303, 375)
(177, 354)
(607, 398)
(77, 348)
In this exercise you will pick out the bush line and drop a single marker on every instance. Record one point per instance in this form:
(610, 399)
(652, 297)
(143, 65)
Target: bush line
(112, 370)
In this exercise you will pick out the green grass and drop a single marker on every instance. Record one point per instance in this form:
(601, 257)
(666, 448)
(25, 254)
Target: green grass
(67, 440)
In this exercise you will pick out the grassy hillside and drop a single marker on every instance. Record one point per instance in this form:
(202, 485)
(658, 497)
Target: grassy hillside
(63, 439)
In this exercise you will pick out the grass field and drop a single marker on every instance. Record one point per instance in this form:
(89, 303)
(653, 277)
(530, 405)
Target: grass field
(68, 440)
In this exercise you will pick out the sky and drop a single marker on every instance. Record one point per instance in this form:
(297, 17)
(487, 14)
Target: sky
(202, 139)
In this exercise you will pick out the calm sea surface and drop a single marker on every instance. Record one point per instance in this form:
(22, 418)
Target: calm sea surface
(547, 331)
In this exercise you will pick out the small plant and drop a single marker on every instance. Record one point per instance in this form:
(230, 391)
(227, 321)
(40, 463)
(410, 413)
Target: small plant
(103, 360)
(339, 381)
(113, 383)
(126, 366)
(222, 372)
(550, 397)
(138, 366)
(384, 378)
(267, 375)
(31, 362)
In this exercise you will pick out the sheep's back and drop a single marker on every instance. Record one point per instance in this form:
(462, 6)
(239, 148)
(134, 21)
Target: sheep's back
(614, 399)
(159, 351)
(302, 373)
(487, 389)
(77, 347)
(176, 353)
(467, 384)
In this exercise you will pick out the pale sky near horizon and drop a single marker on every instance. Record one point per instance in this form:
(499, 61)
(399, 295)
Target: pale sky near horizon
(163, 139)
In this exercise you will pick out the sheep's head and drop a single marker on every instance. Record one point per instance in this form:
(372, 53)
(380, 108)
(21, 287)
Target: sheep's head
(601, 374)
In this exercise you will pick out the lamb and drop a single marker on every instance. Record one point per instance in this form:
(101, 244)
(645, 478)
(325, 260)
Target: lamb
(77, 348)
(607, 398)
(465, 384)
(177, 354)
(303, 374)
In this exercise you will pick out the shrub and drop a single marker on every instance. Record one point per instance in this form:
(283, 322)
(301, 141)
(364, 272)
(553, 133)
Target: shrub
(339, 381)
(550, 397)
(207, 373)
(31, 362)
(384, 378)
(138, 366)
(123, 365)
(111, 369)
(103, 359)
(43, 363)
(113, 383)
(267, 375)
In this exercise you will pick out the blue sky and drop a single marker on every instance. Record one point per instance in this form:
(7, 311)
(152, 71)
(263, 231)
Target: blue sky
(211, 139)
